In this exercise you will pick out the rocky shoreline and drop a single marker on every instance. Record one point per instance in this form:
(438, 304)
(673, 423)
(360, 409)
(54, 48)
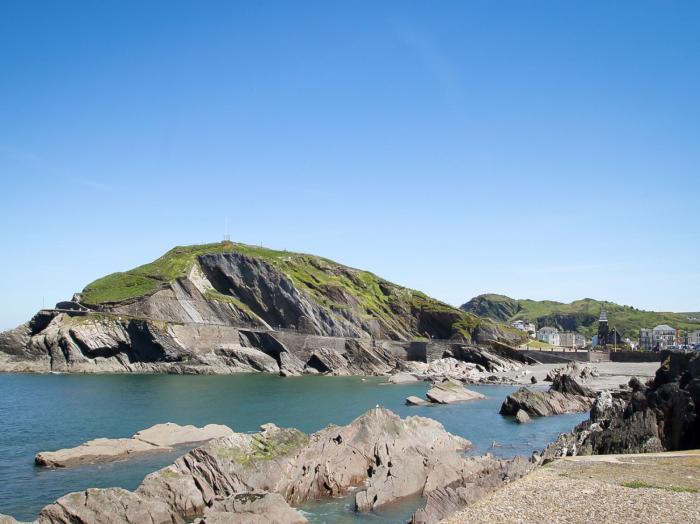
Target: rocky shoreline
(380, 456)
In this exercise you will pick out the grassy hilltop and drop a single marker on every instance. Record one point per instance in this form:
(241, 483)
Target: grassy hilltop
(338, 288)
(580, 315)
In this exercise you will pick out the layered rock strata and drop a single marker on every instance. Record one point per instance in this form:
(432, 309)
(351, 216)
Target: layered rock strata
(564, 396)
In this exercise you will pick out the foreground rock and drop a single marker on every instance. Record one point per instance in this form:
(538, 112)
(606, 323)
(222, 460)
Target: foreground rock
(565, 396)
(158, 438)
(251, 508)
(639, 489)
(107, 506)
(382, 457)
(663, 415)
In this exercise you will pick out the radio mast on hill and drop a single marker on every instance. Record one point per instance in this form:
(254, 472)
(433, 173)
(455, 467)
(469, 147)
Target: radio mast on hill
(227, 237)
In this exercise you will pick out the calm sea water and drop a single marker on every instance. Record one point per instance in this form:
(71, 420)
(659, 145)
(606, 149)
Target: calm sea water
(48, 412)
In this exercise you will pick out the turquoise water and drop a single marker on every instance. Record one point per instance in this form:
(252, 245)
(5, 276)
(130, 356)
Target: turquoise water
(48, 412)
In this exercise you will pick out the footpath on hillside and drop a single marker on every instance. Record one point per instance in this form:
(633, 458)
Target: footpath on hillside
(653, 488)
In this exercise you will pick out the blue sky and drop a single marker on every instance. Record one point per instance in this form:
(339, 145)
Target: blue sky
(548, 150)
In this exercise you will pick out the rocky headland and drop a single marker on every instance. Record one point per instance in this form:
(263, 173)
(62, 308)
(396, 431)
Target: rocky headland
(229, 307)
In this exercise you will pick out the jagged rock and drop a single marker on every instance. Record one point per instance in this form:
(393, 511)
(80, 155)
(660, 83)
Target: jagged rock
(402, 378)
(107, 506)
(479, 477)
(533, 380)
(328, 360)
(302, 468)
(449, 392)
(574, 370)
(290, 365)
(521, 417)
(158, 438)
(567, 385)
(248, 359)
(663, 416)
(251, 508)
(453, 369)
(416, 401)
(565, 396)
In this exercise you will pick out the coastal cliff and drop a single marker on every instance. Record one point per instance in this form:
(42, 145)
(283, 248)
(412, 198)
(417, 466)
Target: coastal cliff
(228, 307)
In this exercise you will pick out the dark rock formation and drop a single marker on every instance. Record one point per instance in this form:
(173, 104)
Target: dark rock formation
(663, 416)
(565, 396)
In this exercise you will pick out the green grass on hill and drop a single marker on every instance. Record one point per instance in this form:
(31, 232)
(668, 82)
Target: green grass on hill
(580, 315)
(332, 285)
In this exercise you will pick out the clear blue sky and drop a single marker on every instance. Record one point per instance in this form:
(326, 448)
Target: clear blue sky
(536, 149)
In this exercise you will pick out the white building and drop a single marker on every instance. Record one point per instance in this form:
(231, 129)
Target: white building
(657, 339)
(571, 339)
(524, 325)
(549, 335)
(693, 337)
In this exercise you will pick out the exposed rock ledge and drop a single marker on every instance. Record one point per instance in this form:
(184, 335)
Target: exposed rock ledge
(446, 392)
(385, 457)
(158, 438)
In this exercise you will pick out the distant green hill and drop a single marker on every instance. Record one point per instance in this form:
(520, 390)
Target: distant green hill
(580, 315)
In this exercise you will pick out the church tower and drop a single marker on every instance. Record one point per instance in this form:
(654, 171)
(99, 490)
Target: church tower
(603, 329)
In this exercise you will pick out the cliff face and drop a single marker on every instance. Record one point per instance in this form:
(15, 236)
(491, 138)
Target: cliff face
(190, 311)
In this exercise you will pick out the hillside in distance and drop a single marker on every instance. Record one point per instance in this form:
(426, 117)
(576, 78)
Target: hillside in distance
(580, 315)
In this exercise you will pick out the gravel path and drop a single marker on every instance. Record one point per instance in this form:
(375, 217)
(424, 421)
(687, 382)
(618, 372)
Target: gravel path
(584, 490)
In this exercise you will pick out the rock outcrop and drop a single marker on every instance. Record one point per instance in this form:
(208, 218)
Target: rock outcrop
(564, 396)
(158, 438)
(380, 456)
(251, 508)
(663, 415)
(573, 369)
(449, 392)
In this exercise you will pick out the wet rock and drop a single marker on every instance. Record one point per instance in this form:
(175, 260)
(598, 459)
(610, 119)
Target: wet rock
(416, 401)
(449, 392)
(158, 438)
(533, 380)
(521, 417)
